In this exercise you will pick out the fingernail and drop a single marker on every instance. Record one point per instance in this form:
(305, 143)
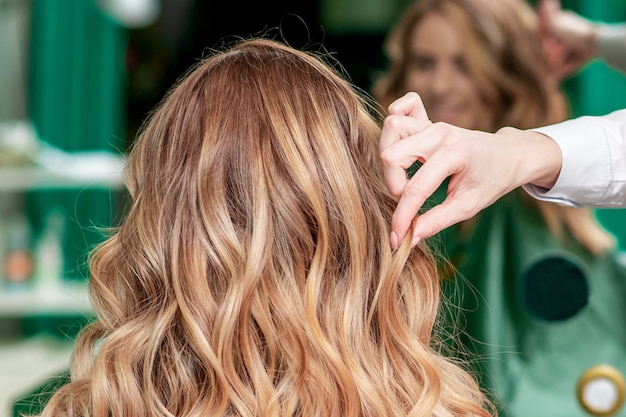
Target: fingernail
(415, 241)
(393, 238)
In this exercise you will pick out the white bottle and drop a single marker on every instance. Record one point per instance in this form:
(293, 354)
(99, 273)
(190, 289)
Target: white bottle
(49, 254)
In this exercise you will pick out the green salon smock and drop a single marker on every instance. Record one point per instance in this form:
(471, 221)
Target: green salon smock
(537, 314)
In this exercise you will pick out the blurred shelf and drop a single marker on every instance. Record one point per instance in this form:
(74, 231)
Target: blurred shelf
(71, 298)
(34, 178)
(57, 169)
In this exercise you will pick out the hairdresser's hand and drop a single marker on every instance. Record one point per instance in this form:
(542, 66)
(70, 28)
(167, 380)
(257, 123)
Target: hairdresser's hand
(482, 166)
(568, 38)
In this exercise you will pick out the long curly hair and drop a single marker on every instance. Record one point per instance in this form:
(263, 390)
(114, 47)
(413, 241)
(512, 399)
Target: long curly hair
(509, 65)
(253, 275)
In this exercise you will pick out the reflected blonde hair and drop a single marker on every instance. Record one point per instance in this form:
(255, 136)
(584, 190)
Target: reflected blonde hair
(253, 274)
(507, 62)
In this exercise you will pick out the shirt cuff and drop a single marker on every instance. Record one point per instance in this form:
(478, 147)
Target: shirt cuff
(611, 44)
(586, 169)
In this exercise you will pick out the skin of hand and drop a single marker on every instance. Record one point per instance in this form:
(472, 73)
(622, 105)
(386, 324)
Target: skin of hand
(482, 167)
(569, 39)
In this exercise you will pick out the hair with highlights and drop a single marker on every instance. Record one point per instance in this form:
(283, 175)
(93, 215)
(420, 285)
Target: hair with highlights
(253, 275)
(508, 64)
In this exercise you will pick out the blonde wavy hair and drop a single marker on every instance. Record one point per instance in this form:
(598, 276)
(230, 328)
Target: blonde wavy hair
(253, 275)
(509, 65)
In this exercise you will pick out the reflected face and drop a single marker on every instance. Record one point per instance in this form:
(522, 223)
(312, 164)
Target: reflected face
(437, 70)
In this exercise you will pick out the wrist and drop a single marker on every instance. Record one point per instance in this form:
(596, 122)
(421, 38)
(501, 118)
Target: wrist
(591, 40)
(537, 158)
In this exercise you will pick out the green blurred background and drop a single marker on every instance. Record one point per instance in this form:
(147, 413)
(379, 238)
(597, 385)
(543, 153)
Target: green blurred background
(91, 79)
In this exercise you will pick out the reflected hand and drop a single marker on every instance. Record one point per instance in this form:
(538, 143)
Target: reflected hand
(568, 38)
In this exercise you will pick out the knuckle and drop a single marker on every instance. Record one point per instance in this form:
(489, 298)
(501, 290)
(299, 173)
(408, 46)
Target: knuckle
(413, 188)
(386, 156)
(392, 122)
(434, 228)
(444, 131)
(449, 139)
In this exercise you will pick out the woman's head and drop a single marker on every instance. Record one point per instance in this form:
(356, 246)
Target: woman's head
(253, 274)
(478, 64)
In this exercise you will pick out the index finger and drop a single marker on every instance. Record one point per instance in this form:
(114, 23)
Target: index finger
(409, 104)
(407, 116)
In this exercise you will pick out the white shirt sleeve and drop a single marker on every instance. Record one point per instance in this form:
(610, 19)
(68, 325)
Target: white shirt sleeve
(594, 162)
